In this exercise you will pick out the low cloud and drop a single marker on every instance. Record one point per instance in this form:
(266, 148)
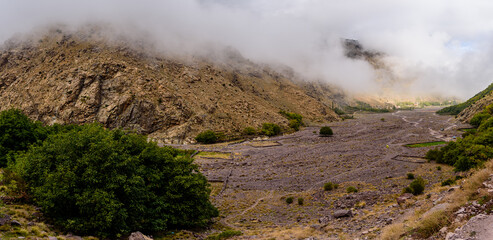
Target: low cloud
(433, 47)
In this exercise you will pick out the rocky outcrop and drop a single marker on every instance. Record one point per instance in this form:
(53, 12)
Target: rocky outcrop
(138, 236)
(71, 77)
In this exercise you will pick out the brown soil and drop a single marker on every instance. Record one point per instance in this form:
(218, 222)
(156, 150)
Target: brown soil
(364, 152)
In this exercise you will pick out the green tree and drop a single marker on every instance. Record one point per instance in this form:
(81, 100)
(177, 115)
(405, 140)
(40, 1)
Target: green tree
(207, 137)
(17, 132)
(95, 181)
(271, 129)
(326, 131)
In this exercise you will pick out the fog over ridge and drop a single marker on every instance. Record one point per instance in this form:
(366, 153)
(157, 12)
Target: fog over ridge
(442, 47)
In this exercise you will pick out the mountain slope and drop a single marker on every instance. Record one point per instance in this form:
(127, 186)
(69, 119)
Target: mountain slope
(76, 78)
(457, 109)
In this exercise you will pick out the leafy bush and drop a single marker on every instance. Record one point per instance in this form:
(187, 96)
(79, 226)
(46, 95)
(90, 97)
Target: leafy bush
(289, 200)
(17, 133)
(295, 120)
(439, 168)
(249, 131)
(410, 176)
(294, 124)
(448, 182)
(417, 186)
(271, 129)
(328, 186)
(207, 137)
(339, 111)
(300, 201)
(95, 181)
(326, 131)
(351, 189)
(224, 235)
(478, 118)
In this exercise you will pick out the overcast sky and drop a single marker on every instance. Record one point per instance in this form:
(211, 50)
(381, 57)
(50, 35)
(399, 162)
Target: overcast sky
(434, 46)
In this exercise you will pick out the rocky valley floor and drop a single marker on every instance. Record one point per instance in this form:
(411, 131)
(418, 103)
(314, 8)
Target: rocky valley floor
(252, 179)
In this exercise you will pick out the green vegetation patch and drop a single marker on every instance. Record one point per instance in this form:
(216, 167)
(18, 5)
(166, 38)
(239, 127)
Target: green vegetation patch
(473, 149)
(295, 119)
(224, 235)
(270, 129)
(207, 137)
(425, 144)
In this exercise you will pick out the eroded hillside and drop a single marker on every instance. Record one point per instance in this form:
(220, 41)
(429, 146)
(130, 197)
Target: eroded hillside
(77, 78)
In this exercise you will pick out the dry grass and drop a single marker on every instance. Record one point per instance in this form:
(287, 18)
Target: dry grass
(221, 155)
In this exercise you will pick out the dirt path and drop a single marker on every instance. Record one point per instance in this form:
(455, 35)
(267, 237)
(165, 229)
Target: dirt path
(362, 153)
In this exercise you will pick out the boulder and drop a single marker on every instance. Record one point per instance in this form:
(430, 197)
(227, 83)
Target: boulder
(4, 219)
(402, 199)
(324, 221)
(343, 213)
(15, 223)
(138, 236)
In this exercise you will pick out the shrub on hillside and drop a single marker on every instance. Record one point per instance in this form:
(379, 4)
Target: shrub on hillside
(416, 187)
(294, 124)
(326, 131)
(295, 120)
(270, 129)
(478, 118)
(410, 176)
(17, 132)
(249, 131)
(95, 181)
(207, 137)
(328, 186)
(351, 189)
(300, 201)
(289, 200)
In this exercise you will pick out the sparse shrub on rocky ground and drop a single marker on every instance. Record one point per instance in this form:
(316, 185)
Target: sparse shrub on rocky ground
(410, 176)
(326, 131)
(329, 186)
(300, 201)
(416, 187)
(270, 129)
(249, 131)
(289, 200)
(207, 137)
(448, 182)
(351, 189)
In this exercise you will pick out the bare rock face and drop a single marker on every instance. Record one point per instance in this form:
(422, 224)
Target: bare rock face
(343, 213)
(70, 77)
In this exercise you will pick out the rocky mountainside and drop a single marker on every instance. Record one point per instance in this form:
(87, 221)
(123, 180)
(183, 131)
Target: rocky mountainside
(478, 106)
(67, 77)
(467, 109)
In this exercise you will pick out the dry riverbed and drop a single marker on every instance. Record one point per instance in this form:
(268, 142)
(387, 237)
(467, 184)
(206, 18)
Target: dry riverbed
(252, 179)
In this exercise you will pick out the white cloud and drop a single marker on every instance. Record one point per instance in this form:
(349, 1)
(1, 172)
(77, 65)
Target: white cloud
(441, 46)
